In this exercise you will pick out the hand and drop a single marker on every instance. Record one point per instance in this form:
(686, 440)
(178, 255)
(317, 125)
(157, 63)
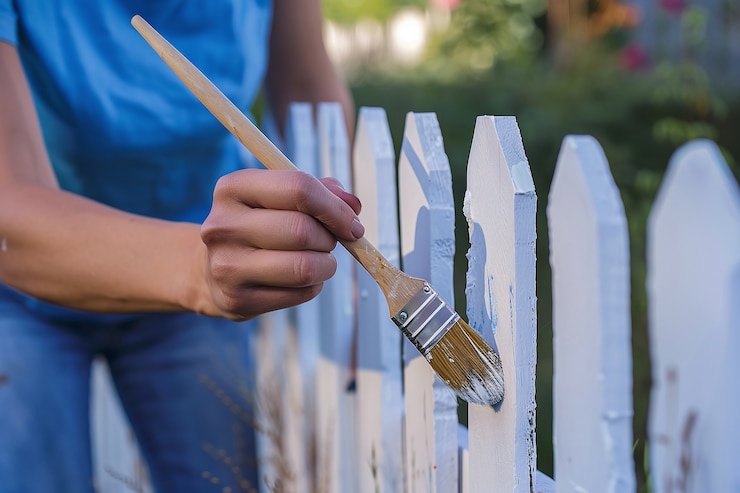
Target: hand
(269, 236)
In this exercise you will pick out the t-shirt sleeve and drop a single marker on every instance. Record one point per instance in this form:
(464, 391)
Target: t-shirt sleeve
(8, 22)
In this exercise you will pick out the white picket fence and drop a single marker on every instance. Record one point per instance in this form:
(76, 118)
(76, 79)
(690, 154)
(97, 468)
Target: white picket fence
(364, 413)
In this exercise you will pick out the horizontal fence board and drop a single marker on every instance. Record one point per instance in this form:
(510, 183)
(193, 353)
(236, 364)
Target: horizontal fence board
(589, 255)
(500, 206)
(427, 246)
(693, 271)
(379, 362)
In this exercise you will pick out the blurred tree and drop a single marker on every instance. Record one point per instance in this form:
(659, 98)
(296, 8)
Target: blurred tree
(482, 32)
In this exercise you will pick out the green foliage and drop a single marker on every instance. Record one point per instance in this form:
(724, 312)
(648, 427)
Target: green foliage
(683, 90)
(482, 32)
(347, 11)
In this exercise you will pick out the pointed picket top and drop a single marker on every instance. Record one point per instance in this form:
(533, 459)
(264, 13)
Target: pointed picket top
(589, 255)
(428, 246)
(694, 287)
(334, 152)
(500, 206)
(300, 138)
(379, 379)
(336, 440)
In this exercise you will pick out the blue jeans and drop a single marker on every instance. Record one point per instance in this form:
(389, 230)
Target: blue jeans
(183, 380)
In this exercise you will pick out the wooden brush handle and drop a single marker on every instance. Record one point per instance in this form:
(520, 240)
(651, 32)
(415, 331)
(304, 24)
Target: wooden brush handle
(384, 273)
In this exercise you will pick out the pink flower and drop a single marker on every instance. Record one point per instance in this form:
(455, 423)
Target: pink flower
(673, 6)
(447, 4)
(634, 58)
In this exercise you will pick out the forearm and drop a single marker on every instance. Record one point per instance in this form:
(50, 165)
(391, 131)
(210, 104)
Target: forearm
(265, 245)
(74, 252)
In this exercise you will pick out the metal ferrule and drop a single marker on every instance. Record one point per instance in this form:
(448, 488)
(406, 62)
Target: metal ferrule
(425, 319)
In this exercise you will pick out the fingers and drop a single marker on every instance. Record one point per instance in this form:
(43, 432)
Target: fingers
(269, 236)
(267, 229)
(250, 283)
(297, 191)
(243, 268)
(337, 189)
(247, 302)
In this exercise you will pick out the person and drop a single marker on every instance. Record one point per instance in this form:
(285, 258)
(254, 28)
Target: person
(132, 227)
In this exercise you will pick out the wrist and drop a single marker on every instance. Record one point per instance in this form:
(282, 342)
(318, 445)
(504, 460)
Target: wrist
(193, 291)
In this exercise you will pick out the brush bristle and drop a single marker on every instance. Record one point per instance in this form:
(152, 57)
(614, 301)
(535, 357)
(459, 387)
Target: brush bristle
(468, 365)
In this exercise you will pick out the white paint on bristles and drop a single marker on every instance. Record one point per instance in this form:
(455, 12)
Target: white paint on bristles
(694, 320)
(379, 379)
(427, 245)
(501, 302)
(336, 435)
(589, 255)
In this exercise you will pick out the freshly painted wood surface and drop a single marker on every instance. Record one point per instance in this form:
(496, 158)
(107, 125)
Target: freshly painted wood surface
(379, 363)
(428, 245)
(589, 255)
(694, 294)
(500, 206)
(336, 438)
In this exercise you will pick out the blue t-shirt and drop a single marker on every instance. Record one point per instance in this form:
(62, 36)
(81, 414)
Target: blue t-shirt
(119, 126)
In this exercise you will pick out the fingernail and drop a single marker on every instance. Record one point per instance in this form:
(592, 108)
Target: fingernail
(357, 229)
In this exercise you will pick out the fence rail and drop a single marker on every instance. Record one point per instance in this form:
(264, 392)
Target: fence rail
(364, 412)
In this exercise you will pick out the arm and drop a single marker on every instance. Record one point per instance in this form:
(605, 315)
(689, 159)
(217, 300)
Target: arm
(78, 253)
(299, 68)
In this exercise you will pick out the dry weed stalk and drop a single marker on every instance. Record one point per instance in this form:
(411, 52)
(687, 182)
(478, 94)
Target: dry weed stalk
(271, 423)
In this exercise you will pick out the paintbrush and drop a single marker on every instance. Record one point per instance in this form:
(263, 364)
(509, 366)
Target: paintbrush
(458, 354)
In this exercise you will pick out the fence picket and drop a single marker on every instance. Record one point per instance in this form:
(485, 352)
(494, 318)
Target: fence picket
(300, 136)
(335, 381)
(500, 206)
(428, 246)
(279, 412)
(589, 255)
(118, 464)
(379, 386)
(268, 350)
(693, 285)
